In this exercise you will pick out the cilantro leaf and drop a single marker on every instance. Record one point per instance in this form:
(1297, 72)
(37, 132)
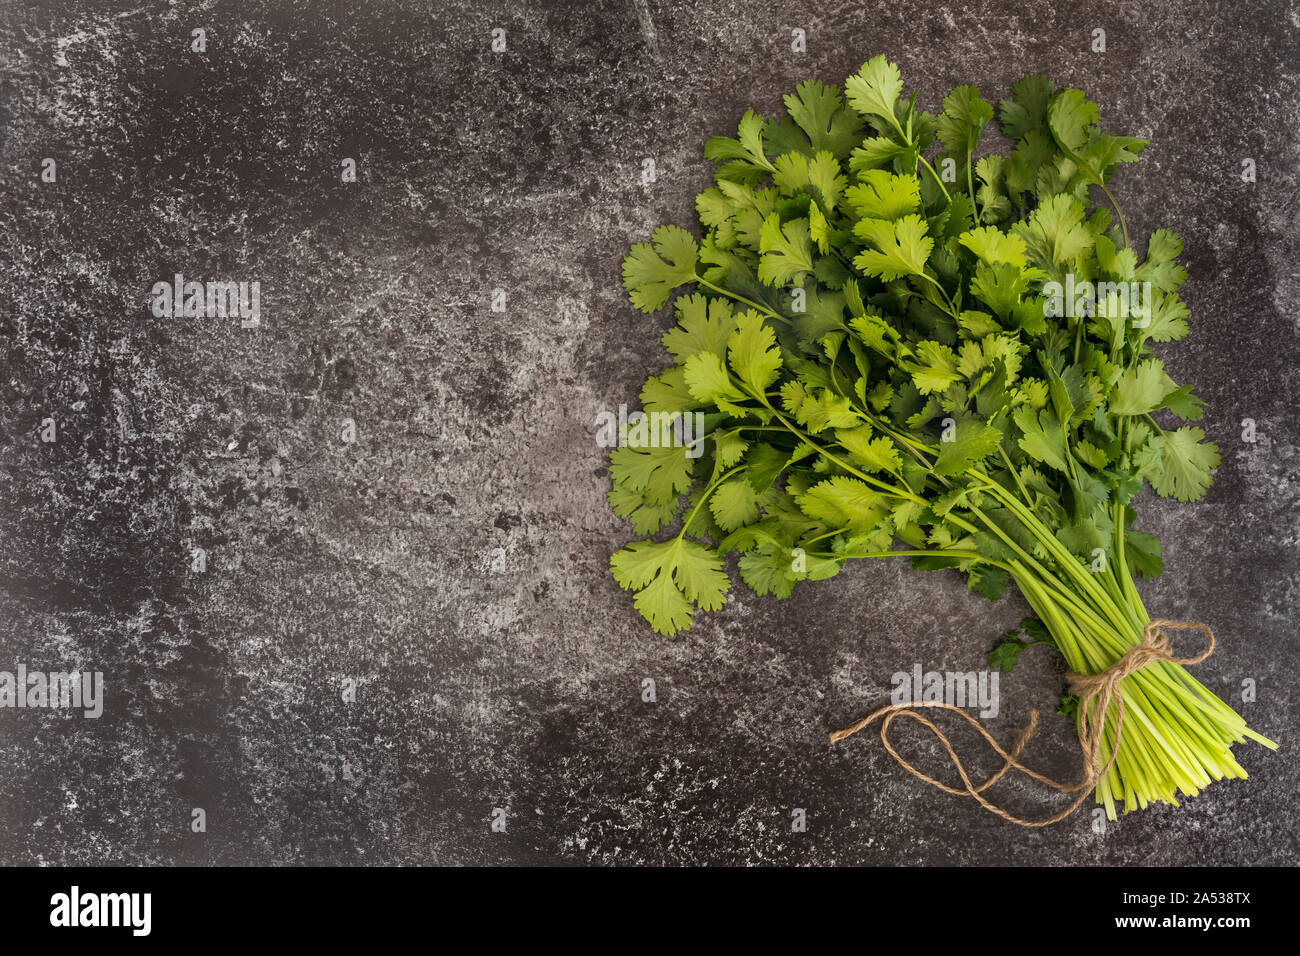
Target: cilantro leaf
(973, 441)
(1042, 439)
(883, 195)
(787, 251)
(1142, 552)
(902, 247)
(868, 452)
(748, 149)
(993, 245)
(1141, 389)
(796, 173)
(844, 502)
(1036, 630)
(1026, 109)
(703, 325)
(819, 111)
(1160, 268)
(646, 517)
(754, 355)
(1183, 403)
(669, 392)
(763, 465)
(670, 578)
(1055, 234)
(988, 580)
(874, 89)
(1179, 463)
(1006, 654)
(878, 152)
(734, 503)
(934, 369)
(1002, 287)
(660, 473)
(1069, 116)
(1168, 320)
(1072, 118)
(963, 119)
(707, 378)
(823, 409)
(652, 270)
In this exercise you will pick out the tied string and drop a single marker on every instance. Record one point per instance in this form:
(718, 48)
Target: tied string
(1096, 692)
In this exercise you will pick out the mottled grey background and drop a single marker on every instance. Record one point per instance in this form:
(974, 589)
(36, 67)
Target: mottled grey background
(521, 689)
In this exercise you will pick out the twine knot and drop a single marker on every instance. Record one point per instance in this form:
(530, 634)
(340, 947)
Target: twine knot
(1096, 692)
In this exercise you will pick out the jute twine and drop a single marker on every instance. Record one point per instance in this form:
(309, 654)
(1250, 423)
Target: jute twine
(1096, 692)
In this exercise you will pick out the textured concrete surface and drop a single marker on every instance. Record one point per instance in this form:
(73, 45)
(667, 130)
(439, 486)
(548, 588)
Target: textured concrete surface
(512, 678)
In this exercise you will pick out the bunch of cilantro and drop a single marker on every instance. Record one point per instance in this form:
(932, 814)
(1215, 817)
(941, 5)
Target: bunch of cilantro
(891, 356)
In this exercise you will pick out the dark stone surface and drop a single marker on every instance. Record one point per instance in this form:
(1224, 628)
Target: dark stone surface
(519, 687)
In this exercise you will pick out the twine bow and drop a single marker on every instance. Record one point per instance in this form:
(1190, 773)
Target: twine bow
(1096, 692)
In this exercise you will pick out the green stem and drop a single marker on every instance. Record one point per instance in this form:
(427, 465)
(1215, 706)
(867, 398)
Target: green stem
(907, 138)
(922, 553)
(1016, 475)
(970, 188)
(952, 308)
(705, 497)
(821, 450)
(740, 298)
(1114, 205)
(937, 181)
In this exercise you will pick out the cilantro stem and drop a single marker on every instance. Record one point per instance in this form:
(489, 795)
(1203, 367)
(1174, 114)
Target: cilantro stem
(880, 485)
(918, 553)
(1130, 589)
(740, 298)
(970, 188)
(1016, 475)
(907, 138)
(1069, 457)
(937, 181)
(952, 309)
(1059, 553)
(910, 444)
(757, 428)
(1123, 226)
(921, 553)
(705, 497)
(828, 534)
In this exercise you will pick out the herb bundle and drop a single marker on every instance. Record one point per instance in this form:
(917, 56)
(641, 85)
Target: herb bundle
(947, 359)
